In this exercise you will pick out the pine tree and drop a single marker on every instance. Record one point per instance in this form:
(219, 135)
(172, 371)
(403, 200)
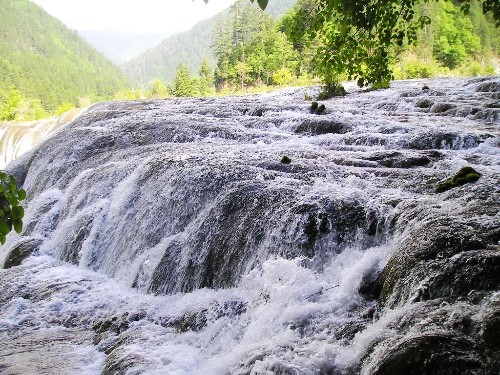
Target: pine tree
(206, 83)
(184, 84)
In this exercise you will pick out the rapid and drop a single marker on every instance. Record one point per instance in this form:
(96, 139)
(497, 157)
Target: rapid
(172, 237)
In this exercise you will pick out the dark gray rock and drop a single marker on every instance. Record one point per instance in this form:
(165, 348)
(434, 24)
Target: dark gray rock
(21, 250)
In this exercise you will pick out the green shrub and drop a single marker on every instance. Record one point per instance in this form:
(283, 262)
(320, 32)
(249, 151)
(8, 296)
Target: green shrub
(417, 69)
(283, 76)
(331, 90)
(11, 213)
(63, 108)
(475, 69)
(286, 160)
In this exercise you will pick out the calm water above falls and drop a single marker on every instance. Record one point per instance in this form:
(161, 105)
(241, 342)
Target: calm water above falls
(166, 237)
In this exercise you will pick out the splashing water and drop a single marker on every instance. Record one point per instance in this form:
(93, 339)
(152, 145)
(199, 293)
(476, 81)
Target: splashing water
(167, 237)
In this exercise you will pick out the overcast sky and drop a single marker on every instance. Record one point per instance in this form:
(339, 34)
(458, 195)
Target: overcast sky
(137, 16)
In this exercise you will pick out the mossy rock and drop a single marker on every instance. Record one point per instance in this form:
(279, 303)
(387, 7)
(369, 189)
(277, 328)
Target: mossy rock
(318, 126)
(441, 107)
(371, 285)
(21, 251)
(464, 176)
(490, 330)
(286, 159)
(118, 365)
(190, 322)
(469, 271)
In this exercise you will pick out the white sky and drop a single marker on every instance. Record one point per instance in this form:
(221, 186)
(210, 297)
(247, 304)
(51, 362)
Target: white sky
(136, 16)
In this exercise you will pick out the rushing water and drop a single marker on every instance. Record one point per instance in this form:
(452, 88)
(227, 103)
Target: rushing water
(17, 138)
(167, 236)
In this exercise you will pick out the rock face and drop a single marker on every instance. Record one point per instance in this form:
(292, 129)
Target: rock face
(171, 236)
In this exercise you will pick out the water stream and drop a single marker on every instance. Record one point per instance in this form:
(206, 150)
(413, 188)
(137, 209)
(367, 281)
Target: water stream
(17, 138)
(168, 237)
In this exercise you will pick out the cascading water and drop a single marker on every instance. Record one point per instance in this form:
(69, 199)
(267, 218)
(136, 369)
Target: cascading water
(167, 237)
(17, 138)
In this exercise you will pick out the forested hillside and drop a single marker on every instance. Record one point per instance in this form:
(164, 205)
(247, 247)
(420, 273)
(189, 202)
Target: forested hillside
(253, 50)
(190, 48)
(44, 65)
(452, 43)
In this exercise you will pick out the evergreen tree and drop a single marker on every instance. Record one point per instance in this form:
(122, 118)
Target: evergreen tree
(249, 48)
(206, 79)
(184, 84)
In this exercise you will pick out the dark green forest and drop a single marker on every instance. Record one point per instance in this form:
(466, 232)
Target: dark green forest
(251, 50)
(45, 67)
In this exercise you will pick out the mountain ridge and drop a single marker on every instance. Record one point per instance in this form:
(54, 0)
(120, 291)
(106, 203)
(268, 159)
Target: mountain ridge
(45, 60)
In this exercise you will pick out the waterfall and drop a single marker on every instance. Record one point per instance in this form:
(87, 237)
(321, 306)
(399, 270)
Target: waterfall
(173, 237)
(17, 138)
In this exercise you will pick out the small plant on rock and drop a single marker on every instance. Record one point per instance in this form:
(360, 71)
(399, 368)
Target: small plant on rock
(462, 177)
(331, 90)
(286, 160)
(314, 106)
(317, 108)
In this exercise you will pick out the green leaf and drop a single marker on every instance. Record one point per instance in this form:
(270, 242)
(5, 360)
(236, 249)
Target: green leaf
(18, 226)
(2, 239)
(21, 194)
(4, 228)
(262, 4)
(17, 212)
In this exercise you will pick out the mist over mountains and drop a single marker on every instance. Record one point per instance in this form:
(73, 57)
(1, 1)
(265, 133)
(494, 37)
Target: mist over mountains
(121, 47)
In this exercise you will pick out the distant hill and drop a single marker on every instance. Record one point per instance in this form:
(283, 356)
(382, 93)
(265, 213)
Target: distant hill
(121, 47)
(44, 59)
(189, 47)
